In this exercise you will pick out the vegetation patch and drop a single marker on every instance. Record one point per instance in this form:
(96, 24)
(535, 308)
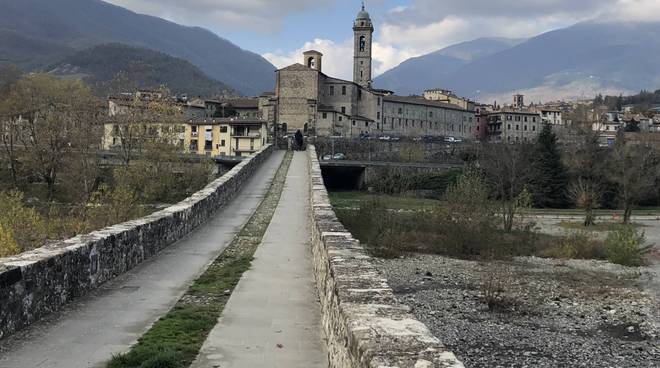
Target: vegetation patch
(598, 227)
(174, 340)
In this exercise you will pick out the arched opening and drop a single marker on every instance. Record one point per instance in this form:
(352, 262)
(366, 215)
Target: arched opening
(363, 43)
(311, 62)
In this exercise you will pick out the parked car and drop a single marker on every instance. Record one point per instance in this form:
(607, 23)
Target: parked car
(384, 138)
(327, 158)
(339, 156)
(453, 140)
(395, 139)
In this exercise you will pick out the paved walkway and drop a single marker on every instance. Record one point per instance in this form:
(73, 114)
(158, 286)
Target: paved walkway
(87, 332)
(272, 318)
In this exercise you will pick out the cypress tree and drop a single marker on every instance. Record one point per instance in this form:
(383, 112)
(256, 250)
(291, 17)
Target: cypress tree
(549, 177)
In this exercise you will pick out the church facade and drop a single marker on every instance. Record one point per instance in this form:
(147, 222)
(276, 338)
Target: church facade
(308, 100)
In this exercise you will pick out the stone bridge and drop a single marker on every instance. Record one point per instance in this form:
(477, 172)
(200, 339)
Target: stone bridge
(311, 286)
(351, 175)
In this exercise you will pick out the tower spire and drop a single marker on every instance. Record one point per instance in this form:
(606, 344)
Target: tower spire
(362, 5)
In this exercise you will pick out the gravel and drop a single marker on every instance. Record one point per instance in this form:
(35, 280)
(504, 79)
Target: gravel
(547, 313)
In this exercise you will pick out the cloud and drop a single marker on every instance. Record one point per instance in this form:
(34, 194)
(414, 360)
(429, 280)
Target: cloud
(263, 15)
(337, 57)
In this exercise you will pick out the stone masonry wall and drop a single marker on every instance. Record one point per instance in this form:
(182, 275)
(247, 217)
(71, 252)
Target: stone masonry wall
(39, 282)
(365, 325)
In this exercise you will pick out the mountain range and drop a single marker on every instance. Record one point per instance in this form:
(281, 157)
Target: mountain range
(114, 68)
(579, 61)
(36, 34)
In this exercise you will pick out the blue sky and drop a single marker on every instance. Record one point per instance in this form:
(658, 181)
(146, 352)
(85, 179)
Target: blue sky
(281, 29)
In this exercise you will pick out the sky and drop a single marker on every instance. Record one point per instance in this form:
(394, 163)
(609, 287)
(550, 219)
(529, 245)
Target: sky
(280, 30)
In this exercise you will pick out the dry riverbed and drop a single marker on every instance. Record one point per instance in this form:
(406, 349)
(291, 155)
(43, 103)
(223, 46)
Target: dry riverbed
(551, 313)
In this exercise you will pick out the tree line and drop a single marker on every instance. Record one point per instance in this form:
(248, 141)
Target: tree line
(584, 174)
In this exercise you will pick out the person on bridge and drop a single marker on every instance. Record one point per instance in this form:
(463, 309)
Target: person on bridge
(299, 140)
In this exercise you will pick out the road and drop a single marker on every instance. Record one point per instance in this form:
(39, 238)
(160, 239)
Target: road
(87, 332)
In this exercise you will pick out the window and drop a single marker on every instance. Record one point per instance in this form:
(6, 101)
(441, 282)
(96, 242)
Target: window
(366, 124)
(325, 115)
(534, 128)
(359, 94)
(343, 109)
(340, 118)
(223, 129)
(378, 101)
(525, 127)
(508, 126)
(533, 119)
(353, 122)
(517, 127)
(400, 111)
(363, 43)
(378, 115)
(525, 119)
(430, 114)
(332, 90)
(508, 117)
(343, 90)
(222, 143)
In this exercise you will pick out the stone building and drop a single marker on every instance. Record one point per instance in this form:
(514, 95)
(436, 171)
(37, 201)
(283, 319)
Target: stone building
(514, 126)
(306, 99)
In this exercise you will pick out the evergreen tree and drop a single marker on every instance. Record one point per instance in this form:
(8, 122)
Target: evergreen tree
(549, 177)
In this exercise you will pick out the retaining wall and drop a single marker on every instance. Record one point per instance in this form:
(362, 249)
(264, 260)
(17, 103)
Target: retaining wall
(365, 325)
(39, 282)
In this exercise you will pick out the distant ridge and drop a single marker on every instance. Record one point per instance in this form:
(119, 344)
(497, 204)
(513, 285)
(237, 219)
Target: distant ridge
(79, 24)
(143, 68)
(575, 62)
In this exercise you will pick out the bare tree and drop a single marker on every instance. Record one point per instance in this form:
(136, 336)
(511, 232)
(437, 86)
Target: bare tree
(634, 169)
(587, 160)
(507, 171)
(54, 110)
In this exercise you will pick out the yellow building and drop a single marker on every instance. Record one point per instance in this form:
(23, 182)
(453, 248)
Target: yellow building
(115, 134)
(208, 137)
(225, 137)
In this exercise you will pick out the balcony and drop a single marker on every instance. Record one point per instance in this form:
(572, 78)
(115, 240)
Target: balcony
(242, 134)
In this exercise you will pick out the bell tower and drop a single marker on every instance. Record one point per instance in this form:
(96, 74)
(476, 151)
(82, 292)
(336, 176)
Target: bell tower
(363, 31)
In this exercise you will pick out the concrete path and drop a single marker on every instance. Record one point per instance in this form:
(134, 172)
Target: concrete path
(87, 332)
(272, 318)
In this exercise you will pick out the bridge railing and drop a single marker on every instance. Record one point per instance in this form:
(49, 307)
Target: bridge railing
(365, 325)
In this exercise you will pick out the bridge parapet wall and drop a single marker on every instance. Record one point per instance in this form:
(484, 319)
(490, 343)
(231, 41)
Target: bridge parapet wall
(36, 283)
(365, 325)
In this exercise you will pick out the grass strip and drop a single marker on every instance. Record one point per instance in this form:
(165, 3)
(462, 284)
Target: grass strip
(175, 339)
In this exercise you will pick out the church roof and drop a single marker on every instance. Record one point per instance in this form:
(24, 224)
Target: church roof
(420, 101)
(363, 14)
(297, 67)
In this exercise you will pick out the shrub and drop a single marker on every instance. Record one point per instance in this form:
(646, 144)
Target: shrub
(494, 279)
(626, 246)
(8, 245)
(22, 224)
(576, 245)
(467, 221)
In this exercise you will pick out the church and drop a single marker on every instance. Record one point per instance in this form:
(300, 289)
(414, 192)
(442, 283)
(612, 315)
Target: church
(308, 100)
